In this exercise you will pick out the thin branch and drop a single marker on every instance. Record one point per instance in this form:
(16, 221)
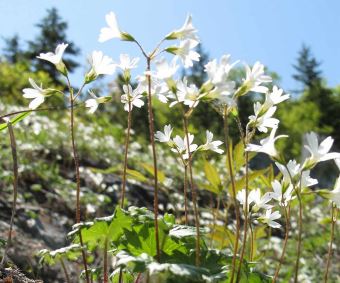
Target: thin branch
(15, 189)
(287, 218)
(127, 139)
(233, 188)
(67, 278)
(152, 139)
(193, 193)
(330, 247)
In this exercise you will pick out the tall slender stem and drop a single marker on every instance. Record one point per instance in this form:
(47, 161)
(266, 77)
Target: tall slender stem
(65, 271)
(15, 189)
(193, 193)
(329, 256)
(233, 188)
(245, 225)
(287, 217)
(127, 139)
(252, 241)
(185, 194)
(152, 139)
(297, 263)
(76, 165)
(106, 278)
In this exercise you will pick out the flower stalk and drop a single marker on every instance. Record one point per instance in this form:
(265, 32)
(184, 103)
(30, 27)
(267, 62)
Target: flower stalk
(152, 139)
(76, 165)
(233, 187)
(15, 189)
(127, 140)
(287, 218)
(193, 191)
(330, 247)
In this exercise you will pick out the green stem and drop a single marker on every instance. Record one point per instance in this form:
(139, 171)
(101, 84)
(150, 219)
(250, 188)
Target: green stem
(76, 165)
(233, 188)
(127, 139)
(245, 225)
(106, 278)
(287, 217)
(329, 255)
(185, 194)
(152, 139)
(65, 271)
(15, 189)
(297, 263)
(193, 193)
(252, 241)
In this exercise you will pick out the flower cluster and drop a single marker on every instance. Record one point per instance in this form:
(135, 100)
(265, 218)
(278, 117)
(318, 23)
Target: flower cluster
(185, 146)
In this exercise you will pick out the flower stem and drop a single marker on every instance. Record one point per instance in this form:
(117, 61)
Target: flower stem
(185, 194)
(297, 263)
(106, 278)
(76, 165)
(193, 193)
(287, 217)
(233, 188)
(252, 241)
(15, 189)
(329, 256)
(152, 139)
(245, 225)
(127, 139)
(67, 278)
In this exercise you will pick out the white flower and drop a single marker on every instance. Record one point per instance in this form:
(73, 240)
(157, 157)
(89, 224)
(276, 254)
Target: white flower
(210, 144)
(218, 75)
(164, 70)
(275, 97)
(306, 180)
(101, 65)
(113, 30)
(166, 136)
(54, 58)
(269, 218)
(185, 53)
(36, 93)
(94, 102)
(262, 121)
(189, 95)
(126, 63)
(158, 87)
(277, 194)
(131, 97)
(255, 77)
(335, 193)
(318, 152)
(187, 31)
(267, 145)
(182, 145)
(290, 171)
(254, 196)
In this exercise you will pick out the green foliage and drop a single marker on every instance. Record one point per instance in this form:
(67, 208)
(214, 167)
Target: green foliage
(14, 78)
(70, 253)
(131, 238)
(14, 120)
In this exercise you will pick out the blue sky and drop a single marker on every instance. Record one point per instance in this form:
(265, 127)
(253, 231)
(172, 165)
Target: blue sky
(271, 31)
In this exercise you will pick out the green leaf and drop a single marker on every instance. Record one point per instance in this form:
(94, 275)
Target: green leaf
(212, 176)
(71, 252)
(150, 170)
(133, 174)
(15, 120)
